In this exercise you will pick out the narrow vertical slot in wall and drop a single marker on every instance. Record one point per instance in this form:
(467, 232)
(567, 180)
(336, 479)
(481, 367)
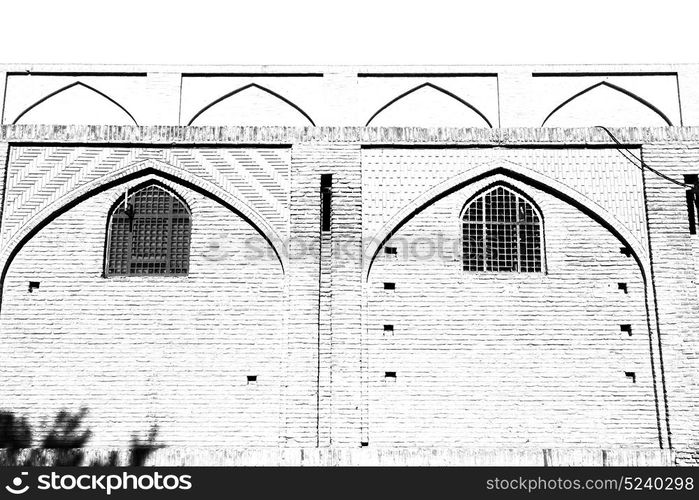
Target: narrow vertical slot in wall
(326, 184)
(324, 434)
(692, 195)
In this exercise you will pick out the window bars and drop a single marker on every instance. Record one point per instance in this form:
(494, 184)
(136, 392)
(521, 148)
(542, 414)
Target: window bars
(149, 234)
(501, 232)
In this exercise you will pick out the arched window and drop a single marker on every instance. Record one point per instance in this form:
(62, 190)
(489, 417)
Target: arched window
(501, 232)
(149, 233)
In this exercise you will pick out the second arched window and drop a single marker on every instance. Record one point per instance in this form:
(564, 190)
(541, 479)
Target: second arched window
(502, 232)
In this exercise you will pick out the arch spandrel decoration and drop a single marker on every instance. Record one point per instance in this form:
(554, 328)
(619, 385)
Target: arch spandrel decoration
(470, 115)
(506, 170)
(78, 97)
(605, 103)
(278, 108)
(502, 171)
(139, 170)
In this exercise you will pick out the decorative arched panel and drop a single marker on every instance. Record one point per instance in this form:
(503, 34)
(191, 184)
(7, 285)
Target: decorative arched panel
(514, 172)
(76, 104)
(144, 350)
(606, 104)
(252, 105)
(142, 169)
(496, 358)
(428, 105)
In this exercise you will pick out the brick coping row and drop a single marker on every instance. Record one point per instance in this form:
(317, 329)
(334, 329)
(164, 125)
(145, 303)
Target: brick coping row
(377, 136)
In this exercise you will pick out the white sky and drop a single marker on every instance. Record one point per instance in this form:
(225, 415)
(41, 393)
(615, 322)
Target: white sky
(348, 32)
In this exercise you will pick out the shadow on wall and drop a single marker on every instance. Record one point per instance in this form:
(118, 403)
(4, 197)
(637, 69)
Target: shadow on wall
(63, 444)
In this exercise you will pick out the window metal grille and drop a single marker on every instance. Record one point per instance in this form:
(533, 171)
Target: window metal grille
(150, 235)
(501, 232)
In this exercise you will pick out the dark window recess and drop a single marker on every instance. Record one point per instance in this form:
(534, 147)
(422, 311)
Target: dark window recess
(388, 328)
(252, 378)
(326, 185)
(391, 250)
(33, 285)
(692, 195)
(151, 235)
(502, 231)
(631, 375)
(626, 251)
(390, 374)
(623, 287)
(364, 444)
(389, 286)
(626, 329)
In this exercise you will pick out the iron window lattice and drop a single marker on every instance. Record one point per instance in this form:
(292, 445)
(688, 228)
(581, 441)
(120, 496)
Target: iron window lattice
(149, 234)
(502, 232)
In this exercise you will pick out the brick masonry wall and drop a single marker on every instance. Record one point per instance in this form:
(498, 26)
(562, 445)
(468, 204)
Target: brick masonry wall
(576, 327)
(525, 359)
(675, 276)
(40, 176)
(339, 369)
(140, 351)
(395, 177)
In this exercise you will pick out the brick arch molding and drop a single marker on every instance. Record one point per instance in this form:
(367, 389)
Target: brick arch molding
(138, 170)
(502, 170)
(68, 87)
(524, 175)
(621, 90)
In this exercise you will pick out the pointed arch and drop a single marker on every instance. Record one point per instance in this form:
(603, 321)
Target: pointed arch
(142, 169)
(245, 87)
(613, 87)
(438, 89)
(67, 87)
(509, 187)
(510, 170)
(518, 173)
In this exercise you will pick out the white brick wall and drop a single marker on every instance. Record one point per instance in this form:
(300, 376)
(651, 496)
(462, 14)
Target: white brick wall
(498, 359)
(674, 266)
(531, 362)
(138, 351)
(519, 96)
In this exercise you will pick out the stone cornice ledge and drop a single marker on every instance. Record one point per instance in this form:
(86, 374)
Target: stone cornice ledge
(399, 136)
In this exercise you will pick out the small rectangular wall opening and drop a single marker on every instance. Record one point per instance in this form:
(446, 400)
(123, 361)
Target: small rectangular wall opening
(631, 375)
(252, 379)
(33, 285)
(326, 184)
(388, 329)
(623, 287)
(390, 376)
(626, 251)
(390, 250)
(692, 195)
(626, 329)
(389, 286)
(364, 444)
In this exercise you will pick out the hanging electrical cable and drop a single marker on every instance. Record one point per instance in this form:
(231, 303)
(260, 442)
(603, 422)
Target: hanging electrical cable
(692, 189)
(641, 163)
